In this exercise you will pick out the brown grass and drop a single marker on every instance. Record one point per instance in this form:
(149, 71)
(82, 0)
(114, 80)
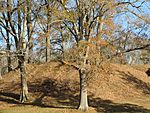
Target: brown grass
(116, 88)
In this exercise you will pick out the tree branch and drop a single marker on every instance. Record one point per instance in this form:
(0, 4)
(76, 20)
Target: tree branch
(69, 64)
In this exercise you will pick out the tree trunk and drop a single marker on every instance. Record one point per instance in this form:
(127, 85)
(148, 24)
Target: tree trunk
(21, 57)
(24, 87)
(47, 49)
(100, 27)
(29, 31)
(62, 43)
(83, 105)
(0, 73)
(8, 57)
(7, 40)
(48, 52)
(19, 26)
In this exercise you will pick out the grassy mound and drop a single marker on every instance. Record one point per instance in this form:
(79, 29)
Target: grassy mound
(54, 87)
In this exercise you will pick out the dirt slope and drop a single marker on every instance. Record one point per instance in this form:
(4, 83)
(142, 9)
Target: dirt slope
(114, 88)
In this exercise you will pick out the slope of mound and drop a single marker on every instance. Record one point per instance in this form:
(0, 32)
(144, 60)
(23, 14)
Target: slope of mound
(54, 84)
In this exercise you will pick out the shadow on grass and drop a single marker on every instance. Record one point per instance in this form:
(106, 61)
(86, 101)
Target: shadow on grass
(108, 106)
(62, 92)
(67, 97)
(139, 84)
(11, 98)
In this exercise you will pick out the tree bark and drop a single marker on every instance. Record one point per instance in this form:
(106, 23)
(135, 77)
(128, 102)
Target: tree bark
(83, 106)
(7, 40)
(8, 57)
(0, 73)
(8, 47)
(19, 26)
(62, 43)
(48, 44)
(47, 49)
(100, 27)
(21, 58)
(24, 87)
(29, 31)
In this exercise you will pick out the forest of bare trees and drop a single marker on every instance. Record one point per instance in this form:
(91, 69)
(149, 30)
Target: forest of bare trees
(80, 33)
